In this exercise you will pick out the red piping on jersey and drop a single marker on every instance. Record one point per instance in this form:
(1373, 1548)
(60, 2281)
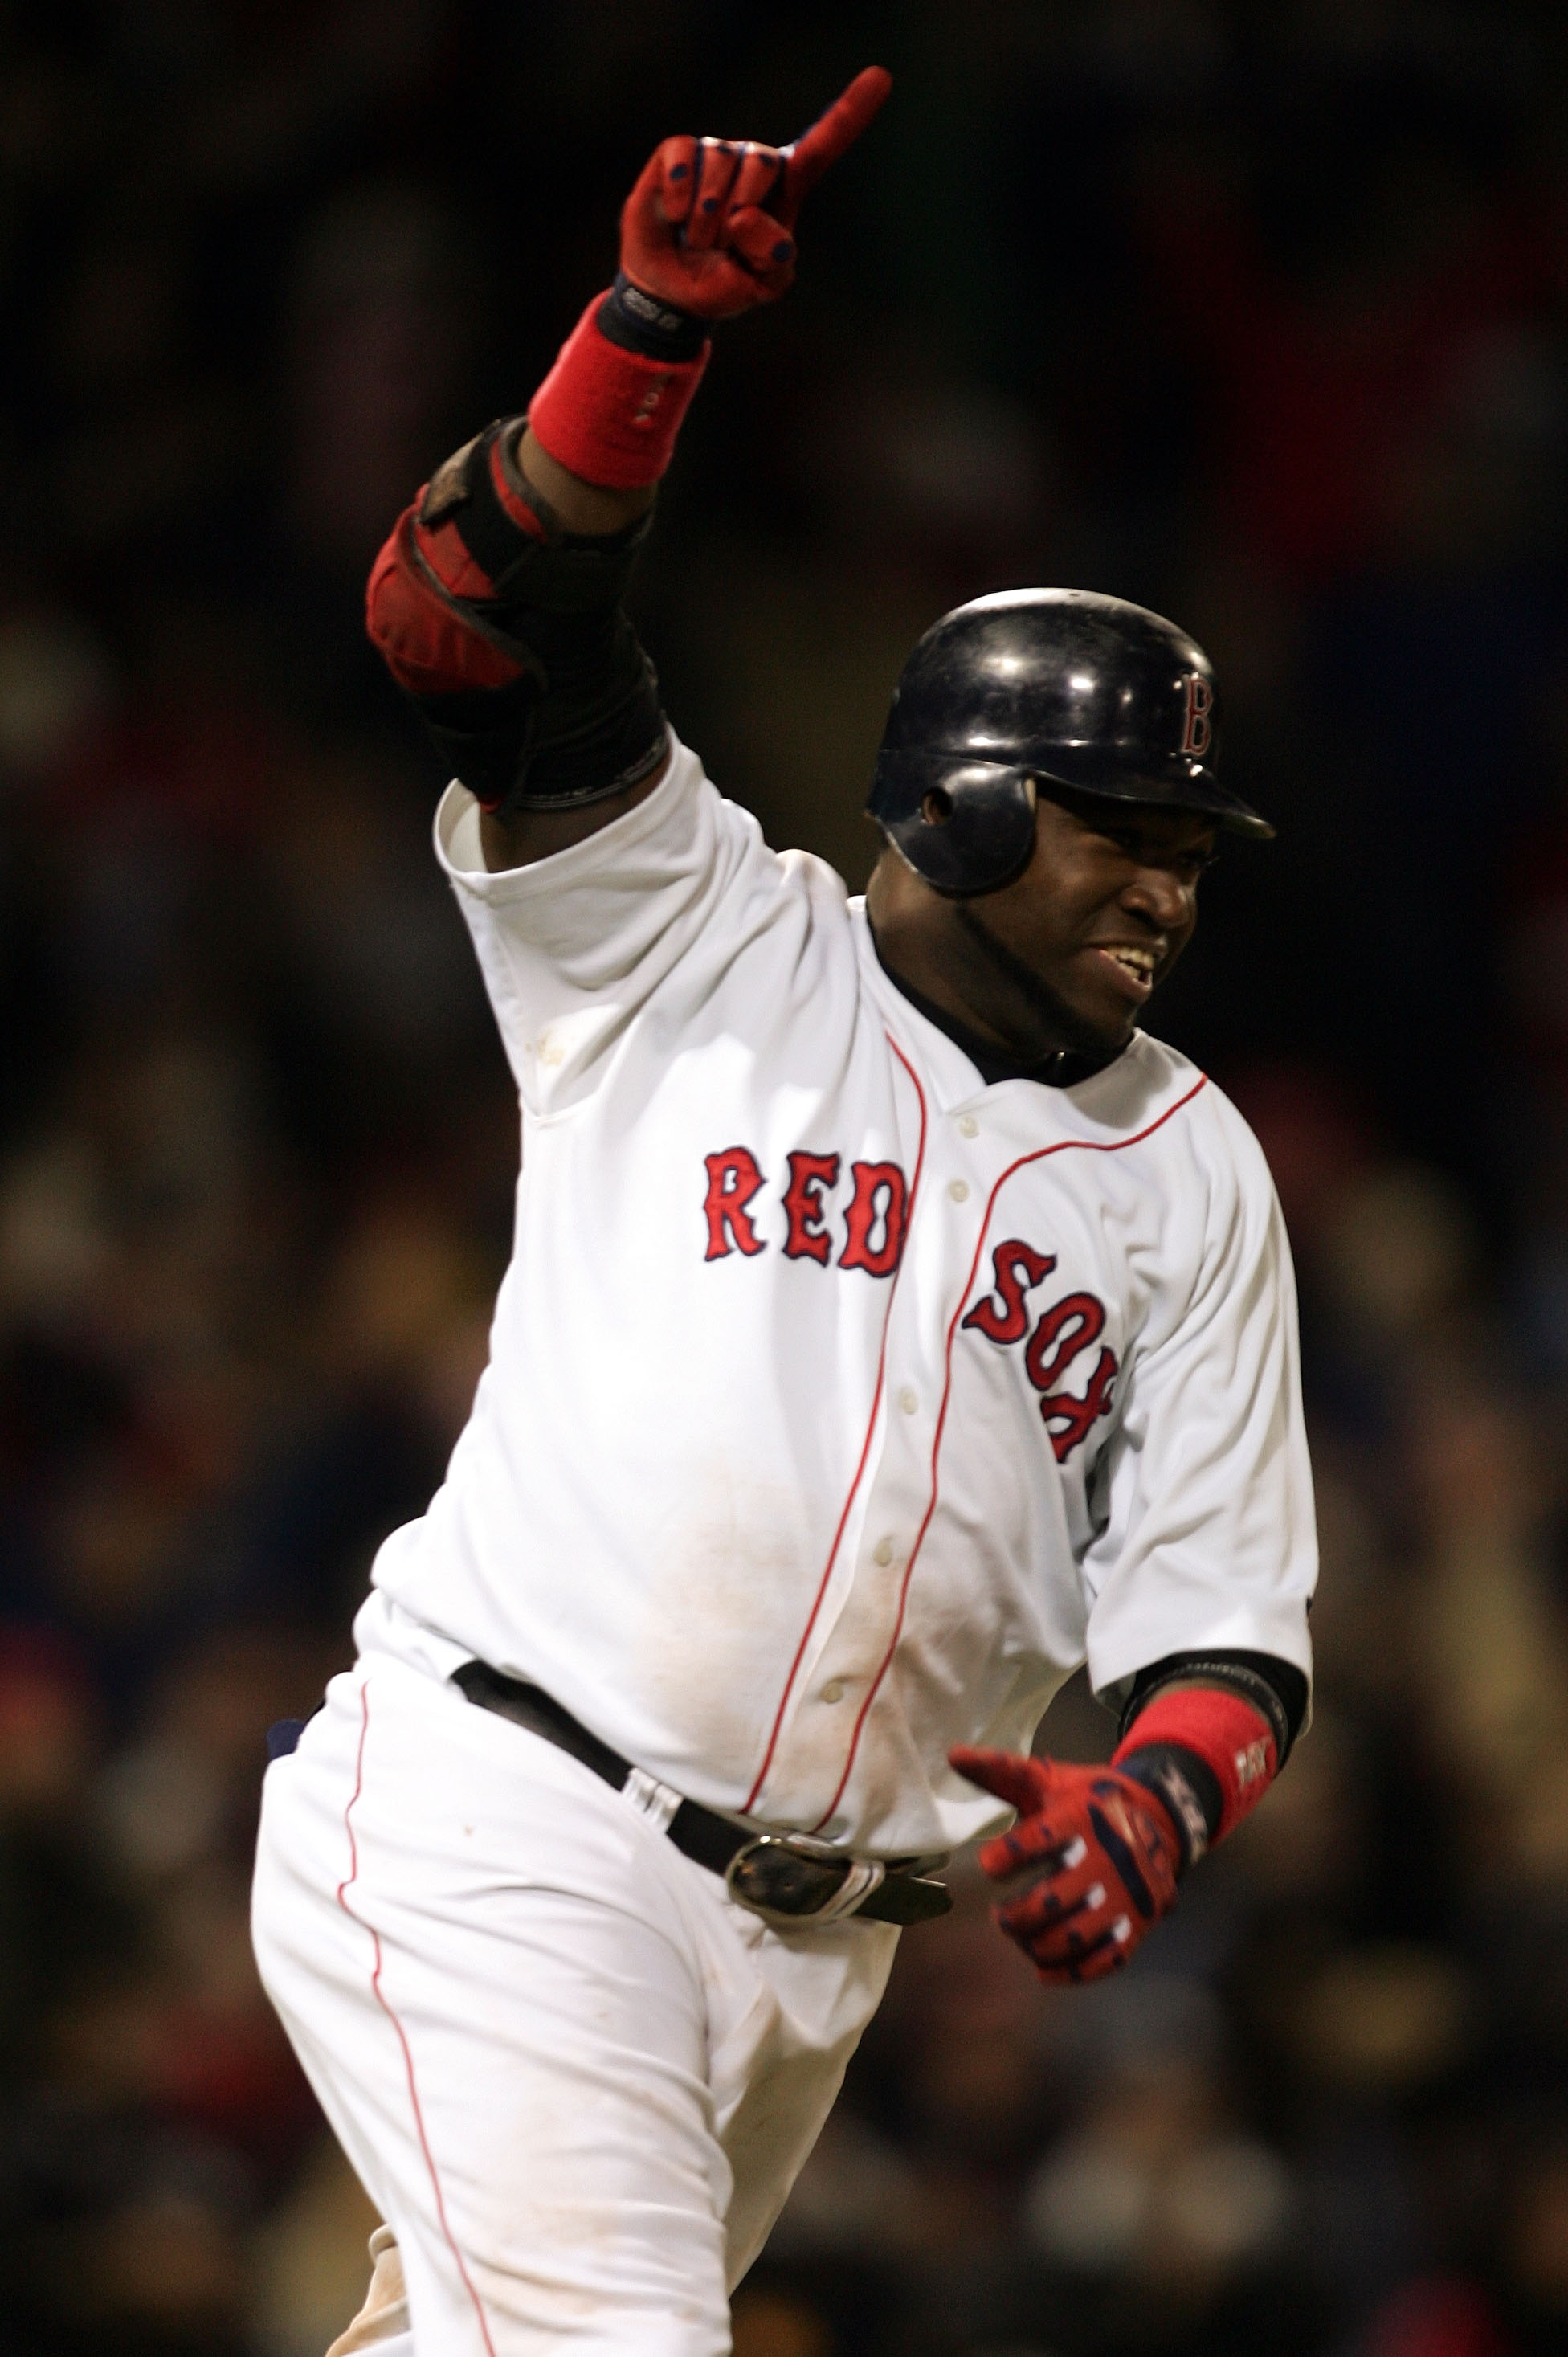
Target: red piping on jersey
(351, 1877)
(750, 1800)
(1063, 1145)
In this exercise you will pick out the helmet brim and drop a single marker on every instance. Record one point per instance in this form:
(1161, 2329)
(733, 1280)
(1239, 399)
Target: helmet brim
(1196, 788)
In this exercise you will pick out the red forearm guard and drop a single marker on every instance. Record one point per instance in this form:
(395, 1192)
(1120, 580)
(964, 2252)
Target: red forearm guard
(1234, 1741)
(608, 415)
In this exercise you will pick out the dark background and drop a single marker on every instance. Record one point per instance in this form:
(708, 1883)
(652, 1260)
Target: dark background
(1254, 314)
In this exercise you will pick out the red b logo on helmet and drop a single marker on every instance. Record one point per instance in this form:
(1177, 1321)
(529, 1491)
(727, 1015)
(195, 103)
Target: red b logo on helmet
(1197, 731)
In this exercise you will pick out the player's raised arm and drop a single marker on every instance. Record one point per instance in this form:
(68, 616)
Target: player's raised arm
(496, 602)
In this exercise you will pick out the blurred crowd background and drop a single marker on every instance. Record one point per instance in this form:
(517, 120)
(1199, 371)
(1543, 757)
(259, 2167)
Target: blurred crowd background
(1255, 314)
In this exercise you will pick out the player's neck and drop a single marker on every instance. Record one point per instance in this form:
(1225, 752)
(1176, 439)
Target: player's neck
(945, 959)
(1060, 1069)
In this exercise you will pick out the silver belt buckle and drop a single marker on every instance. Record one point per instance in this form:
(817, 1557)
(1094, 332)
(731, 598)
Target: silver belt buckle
(789, 1885)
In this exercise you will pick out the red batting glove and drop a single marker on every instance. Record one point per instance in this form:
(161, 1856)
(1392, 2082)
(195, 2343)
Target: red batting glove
(1101, 1852)
(708, 228)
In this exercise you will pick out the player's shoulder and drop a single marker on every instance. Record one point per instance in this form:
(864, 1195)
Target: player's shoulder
(745, 854)
(1140, 1094)
(1155, 1096)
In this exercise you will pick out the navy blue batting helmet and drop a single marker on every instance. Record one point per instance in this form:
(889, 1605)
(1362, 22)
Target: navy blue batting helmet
(1057, 686)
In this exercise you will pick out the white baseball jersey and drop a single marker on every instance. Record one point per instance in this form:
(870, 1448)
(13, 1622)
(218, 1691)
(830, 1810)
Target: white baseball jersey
(840, 1405)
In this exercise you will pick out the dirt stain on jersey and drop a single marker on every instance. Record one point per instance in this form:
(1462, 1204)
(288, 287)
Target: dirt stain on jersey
(736, 1562)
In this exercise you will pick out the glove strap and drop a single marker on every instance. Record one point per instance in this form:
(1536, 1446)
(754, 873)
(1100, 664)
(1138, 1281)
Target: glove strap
(639, 322)
(1186, 1787)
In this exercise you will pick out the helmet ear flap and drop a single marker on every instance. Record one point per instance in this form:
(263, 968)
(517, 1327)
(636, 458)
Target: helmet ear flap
(963, 826)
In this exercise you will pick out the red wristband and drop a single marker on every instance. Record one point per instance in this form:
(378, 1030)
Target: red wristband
(609, 416)
(1235, 1742)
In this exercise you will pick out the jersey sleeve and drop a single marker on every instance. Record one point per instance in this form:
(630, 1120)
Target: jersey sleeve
(1208, 1539)
(575, 947)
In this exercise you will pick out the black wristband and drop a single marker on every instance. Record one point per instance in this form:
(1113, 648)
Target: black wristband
(1189, 1788)
(639, 322)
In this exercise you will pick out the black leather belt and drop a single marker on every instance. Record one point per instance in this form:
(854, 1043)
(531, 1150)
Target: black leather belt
(780, 1877)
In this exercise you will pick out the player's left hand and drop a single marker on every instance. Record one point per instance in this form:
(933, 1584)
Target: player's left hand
(1100, 1854)
(709, 227)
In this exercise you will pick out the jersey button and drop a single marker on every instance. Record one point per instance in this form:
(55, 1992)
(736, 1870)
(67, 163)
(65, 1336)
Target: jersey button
(959, 1190)
(883, 1551)
(968, 1126)
(908, 1401)
(834, 1690)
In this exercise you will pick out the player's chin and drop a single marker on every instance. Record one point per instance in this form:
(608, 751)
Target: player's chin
(1070, 1007)
(1107, 1000)
(1103, 1020)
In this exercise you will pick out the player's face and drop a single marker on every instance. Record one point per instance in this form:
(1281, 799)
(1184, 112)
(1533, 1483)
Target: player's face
(1098, 917)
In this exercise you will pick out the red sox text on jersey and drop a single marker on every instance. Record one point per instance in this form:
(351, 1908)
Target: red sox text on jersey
(873, 1239)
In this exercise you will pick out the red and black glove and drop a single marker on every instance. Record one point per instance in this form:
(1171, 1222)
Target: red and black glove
(1104, 1847)
(1100, 1852)
(709, 227)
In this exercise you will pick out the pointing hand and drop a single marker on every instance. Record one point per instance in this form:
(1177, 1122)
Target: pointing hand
(709, 227)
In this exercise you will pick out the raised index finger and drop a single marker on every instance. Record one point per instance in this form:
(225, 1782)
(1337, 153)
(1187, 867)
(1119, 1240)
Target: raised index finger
(808, 157)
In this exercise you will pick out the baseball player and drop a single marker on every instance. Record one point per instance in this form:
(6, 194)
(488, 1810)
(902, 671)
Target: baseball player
(892, 1326)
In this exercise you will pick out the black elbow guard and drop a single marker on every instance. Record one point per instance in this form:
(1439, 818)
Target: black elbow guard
(582, 722)
(582, 719)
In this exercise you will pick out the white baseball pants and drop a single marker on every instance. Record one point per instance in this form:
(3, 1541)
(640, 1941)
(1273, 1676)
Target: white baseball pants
(576, 2079)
